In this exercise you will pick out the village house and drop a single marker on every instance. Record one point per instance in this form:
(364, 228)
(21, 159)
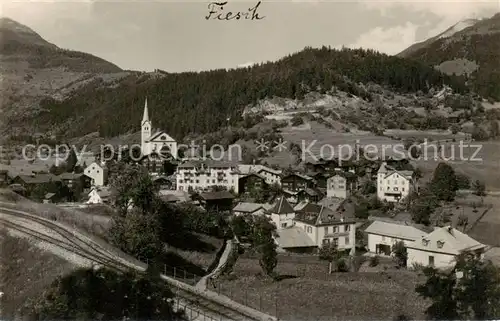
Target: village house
(31, 181)
(341, 185)
(71, 179)
(441, 247)
(394, 185)
(205, 174)
(325, 226)
(383, 235)
(251, 183)
(295, 182)
(159, 141)
(220, 201)
(99, 195)
(272, 176)
(164, 183)
(98, 174)
(245, 208)
(282, 213)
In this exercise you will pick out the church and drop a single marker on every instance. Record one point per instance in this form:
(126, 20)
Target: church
(157, 143)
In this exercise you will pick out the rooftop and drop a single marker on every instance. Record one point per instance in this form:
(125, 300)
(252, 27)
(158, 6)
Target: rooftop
(246, 207)
(402, 231)
(282, 207)
(293, 237)
(216, 195)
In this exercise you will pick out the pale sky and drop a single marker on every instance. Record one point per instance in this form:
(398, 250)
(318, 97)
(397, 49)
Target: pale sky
(175, 36)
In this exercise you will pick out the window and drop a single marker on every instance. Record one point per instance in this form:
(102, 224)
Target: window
(388, 188)
(326, 229)
(431, 260)
(335, 242)
(197, 181)
(347, 240)
(403, 189)
(335, 229)
(326, 241)
(283, 225)
(347, 228)
(309, 229)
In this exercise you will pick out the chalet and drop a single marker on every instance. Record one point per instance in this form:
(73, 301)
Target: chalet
(383, 235)
(441, 247)
(159, 163)
(295, 182)
(244, 208)
(99, 195)
(252, 183)
(164, 183)
(170, 198)
(325, 226)
(98, 174)
(30, 181)
(320, 178)
(71, 179)
(282, 213)
(312, 195)
(217, 201)
(272, 176)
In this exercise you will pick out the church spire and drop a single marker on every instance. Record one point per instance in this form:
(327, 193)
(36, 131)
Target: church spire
(145, 117)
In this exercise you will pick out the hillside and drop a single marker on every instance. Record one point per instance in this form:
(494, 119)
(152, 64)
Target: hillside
(184, 103)
(32, 68)
(470, 48)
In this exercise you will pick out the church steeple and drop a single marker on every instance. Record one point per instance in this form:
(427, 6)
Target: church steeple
(145, 117)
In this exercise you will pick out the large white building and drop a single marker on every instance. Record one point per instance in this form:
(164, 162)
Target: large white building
(394, 185)
(383, 235)
(272, 176)
(203, 175)
(441, 247)
(157, 142)
(98, 174)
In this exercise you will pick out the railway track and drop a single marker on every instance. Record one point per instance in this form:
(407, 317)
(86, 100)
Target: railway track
(199, 305)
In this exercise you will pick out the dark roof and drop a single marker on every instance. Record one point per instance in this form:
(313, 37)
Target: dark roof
(216, 195)
(304, 177)
(208, 163)
(68, 176)
(39, 178)
(282, 207)
(253, 174)
(169, 198)
(316, 214)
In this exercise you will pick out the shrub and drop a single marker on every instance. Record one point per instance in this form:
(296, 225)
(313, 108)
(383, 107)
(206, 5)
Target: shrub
(374, 261)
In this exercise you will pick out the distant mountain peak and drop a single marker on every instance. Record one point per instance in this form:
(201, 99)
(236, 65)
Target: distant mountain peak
(12, 31)
(459, 26)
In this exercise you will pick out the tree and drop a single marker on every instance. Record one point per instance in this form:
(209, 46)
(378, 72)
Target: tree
(241, 227)
(400, 253)
(137, 234)
(479, 188)
(88, 294)
(474, 295)
(263, 241)
(463, 181)
(361, 210)
(328, 252)
(423, 206)
(444, 182)
(71, 161)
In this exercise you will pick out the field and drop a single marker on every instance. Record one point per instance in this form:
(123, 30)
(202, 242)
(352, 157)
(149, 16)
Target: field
(307, 291)
(26, 273)
(487, 229)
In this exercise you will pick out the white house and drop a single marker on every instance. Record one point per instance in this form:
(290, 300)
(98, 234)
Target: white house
(282, 213)
(272, 176)
(158, 142)
(441, 247)
(383, 235)
(245, 208)
(98, 196)
(325, 226)
(394, 185)
(341, 185)
(97, 173)
(205, 174)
